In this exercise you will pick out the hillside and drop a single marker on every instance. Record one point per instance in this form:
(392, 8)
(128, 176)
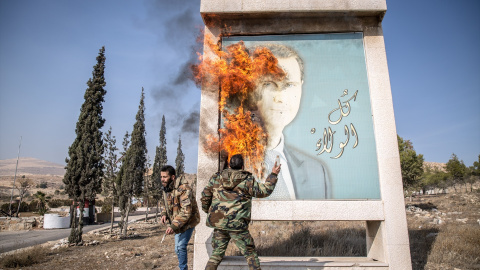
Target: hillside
(30, 166)
(434, 166)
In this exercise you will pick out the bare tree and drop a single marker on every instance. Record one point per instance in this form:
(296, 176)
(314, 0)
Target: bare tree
(25, 184)
(147, 185)
(110, 159)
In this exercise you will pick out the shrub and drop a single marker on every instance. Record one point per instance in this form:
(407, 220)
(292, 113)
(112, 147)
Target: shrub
(33, 206)
(106, 208)
(23, 207)
(43, 185)
(24, 258)
(59, 203)
(43, 211)
(5, 207)
(99, 203)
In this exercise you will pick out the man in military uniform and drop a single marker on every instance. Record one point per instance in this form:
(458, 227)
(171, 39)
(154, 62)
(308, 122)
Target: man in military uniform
(180, 209)
(227, 199)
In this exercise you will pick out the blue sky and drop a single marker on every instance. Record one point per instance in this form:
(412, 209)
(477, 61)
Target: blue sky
(48, 50)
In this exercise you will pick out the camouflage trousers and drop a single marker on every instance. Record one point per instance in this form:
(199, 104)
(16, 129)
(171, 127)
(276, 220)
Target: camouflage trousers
(242, 239)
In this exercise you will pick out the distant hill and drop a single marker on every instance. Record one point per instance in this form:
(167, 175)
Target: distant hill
(435, 166)
(30, 166)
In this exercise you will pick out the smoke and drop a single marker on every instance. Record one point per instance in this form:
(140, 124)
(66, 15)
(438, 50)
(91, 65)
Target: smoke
(177, 25)
(184, 74)
(190, 124)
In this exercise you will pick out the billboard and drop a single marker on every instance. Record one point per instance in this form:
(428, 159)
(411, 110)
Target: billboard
(319, 117)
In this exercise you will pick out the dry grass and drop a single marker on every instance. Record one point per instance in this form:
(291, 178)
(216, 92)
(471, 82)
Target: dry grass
(455, 246)
(455, 243)
(452, 244)
(23, 258)
(307, 238)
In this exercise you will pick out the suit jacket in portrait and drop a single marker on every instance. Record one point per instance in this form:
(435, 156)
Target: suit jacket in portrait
(309, 175)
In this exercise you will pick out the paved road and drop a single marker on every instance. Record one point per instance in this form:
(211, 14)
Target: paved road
(20, 239)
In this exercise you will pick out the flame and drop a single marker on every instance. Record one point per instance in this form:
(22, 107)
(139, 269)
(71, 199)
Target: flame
(236, 72)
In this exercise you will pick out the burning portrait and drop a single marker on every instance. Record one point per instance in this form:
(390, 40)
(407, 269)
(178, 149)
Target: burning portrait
(302, 99)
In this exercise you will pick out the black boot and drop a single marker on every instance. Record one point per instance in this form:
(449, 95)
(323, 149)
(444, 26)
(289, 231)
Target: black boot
(211, 266)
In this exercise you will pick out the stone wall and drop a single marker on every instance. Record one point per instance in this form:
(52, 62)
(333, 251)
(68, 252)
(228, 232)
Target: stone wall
(20, 224)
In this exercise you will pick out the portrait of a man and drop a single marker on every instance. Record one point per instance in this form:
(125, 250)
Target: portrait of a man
(276, 103)
(318, 116)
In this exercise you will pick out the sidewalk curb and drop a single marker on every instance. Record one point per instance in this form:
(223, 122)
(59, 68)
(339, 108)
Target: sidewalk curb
(116, 224)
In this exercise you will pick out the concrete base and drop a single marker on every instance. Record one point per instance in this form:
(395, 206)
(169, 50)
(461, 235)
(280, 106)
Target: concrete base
(281, 263)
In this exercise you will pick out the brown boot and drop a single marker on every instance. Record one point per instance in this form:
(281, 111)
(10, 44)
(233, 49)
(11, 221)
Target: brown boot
(253, 263)
(211, 266)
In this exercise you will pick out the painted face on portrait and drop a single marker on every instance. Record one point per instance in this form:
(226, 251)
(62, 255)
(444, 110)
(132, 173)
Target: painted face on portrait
(279, 101)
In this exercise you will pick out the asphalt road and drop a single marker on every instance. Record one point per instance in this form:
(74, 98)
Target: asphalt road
(13, 240)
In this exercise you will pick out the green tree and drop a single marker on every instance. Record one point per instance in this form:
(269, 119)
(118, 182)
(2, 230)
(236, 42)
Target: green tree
(411, 163)
(84, 170)
(146, 191)
(456, 170)
(180, 160)
(132, 170)
(110, 171)
(473, 173)
(159, 161)
(120, 176)
(433, 179)
(42, 202)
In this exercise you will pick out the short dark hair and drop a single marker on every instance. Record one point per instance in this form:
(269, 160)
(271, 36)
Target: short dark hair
(236, 162)
(169, 169)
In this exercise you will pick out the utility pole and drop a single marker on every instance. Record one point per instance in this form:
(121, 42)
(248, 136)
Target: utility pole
(14, 178)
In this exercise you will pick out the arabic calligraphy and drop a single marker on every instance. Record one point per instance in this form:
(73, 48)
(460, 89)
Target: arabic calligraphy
(340, 108)
(327, 137)
(326, 142)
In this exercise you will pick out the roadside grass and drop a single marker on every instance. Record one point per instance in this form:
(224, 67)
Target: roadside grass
(456, 246)
(23, 258)
(307, 238)
(453, 244)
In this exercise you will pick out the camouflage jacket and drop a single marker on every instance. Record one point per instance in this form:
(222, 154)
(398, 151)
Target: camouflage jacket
(227, 198)
(180, 206)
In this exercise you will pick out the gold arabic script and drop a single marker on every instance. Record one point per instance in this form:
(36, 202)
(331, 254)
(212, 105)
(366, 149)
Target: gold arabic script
(326, 142)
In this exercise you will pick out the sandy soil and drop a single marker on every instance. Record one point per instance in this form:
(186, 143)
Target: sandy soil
(142, 250)
(433, 219)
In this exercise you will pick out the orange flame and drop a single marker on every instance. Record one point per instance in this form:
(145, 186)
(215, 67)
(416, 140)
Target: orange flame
(236, 72)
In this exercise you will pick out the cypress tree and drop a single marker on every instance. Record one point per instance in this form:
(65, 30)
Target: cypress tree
(159, 161)
(133, 167)
(111, 169)
(84, 170)
(180, 160)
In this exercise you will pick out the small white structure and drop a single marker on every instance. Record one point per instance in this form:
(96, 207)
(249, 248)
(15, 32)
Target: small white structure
(54, 221)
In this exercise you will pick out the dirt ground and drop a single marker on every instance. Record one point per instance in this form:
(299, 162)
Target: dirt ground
(444, 230)
(142, 250)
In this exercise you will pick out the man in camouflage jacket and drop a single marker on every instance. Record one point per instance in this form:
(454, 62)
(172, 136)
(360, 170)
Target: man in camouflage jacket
(227, 199)
(180, 209)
